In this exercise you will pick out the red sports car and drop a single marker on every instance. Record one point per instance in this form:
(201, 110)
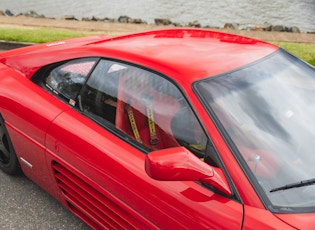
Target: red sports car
(166, 129)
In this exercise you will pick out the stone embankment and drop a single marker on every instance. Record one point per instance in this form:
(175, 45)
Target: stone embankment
(125, 25)
(168, 22)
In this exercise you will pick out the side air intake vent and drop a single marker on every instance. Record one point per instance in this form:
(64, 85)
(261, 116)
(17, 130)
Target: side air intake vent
(98, 209)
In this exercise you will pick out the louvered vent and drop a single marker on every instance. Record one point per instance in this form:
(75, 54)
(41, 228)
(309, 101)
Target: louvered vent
(96, 208)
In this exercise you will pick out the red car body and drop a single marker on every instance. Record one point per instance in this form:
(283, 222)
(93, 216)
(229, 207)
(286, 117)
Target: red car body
(109, 182)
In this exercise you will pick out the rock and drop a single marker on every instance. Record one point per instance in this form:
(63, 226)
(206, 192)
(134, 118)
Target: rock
(70, 18)
(176, 24)
(86, 19)
(295, 29)
(212, 27)
(109, 20)
(264, 27)
(278, 28)
(137, 21)
(95, 19)
(33, 14)
(124, 19)
(267, 27)
(8, 13)
(162, 21)
(292, 29)
(256, 27)
(195, 24)
(232, 26)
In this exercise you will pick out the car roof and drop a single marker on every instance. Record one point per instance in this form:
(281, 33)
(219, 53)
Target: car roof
(195, 53)
(186, 54)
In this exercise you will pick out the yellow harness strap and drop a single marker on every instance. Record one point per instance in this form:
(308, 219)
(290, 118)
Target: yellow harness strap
(133, 123)
(154, 140)
(197, 147)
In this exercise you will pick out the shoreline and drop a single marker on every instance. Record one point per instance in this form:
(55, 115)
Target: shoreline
(117, 28)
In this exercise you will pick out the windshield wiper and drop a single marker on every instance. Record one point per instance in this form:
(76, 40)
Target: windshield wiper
(294, 185)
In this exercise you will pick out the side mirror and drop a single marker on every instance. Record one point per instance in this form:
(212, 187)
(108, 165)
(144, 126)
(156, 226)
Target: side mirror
(179, 164)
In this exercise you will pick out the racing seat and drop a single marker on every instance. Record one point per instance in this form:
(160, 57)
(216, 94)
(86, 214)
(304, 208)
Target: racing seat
(143, 112)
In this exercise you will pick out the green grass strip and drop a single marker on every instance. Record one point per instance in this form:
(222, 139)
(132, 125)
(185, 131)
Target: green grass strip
(301, 50)
(37, 35)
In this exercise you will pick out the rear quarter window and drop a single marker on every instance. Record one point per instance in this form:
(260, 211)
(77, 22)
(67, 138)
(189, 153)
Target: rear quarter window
(68, 79)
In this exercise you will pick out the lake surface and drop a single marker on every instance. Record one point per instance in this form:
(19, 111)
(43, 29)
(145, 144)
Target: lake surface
(300, 13)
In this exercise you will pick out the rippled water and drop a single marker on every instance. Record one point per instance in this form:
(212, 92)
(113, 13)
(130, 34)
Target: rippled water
(300, 13)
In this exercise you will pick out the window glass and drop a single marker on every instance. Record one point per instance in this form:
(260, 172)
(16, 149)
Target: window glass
(99, 97)
(267, 110)
(68, 79)
(145, 106)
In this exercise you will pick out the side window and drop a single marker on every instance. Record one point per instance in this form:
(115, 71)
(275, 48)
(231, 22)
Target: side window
(99, 96)
(67, 80)
(143, 105)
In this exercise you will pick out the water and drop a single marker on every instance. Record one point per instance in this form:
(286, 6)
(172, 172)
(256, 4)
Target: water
(300, 13)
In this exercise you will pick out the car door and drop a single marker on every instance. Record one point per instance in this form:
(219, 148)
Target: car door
(27, 112)
(30, 110)
(97, 152)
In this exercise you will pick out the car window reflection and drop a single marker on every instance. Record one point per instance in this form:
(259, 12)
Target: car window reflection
(143, 105)
(68, 79)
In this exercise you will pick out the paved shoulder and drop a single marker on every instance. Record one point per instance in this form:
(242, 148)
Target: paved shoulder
(277, 36)
(24, 205)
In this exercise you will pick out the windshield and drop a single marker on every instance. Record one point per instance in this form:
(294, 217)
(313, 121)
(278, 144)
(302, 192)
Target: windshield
(267, 113)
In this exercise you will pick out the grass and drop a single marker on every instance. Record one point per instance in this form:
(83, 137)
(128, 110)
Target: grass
(41, 35)
(37, 35)
(301, 50)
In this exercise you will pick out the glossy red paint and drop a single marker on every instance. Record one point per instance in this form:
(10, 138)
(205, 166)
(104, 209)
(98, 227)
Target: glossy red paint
(300, 221)
(120, 177)
(167, 51)
(179, 165)
(104, 179)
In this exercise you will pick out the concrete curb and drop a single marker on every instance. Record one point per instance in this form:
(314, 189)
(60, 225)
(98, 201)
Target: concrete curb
(7, 45)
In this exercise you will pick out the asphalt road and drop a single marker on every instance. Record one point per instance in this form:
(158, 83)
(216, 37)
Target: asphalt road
(24, 205)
